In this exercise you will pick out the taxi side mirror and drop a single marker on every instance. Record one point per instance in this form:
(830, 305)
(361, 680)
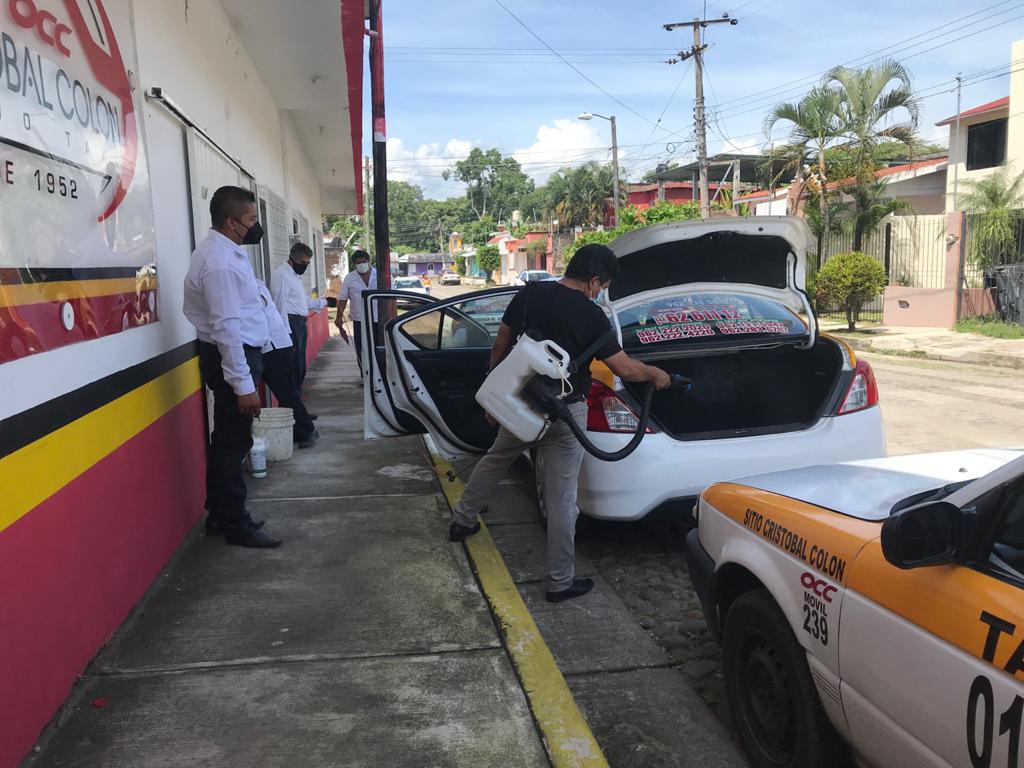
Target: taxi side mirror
(921, 536)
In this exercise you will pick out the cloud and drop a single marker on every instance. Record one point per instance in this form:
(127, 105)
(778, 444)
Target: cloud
(743, 146)
(424, 165)
(567, 142)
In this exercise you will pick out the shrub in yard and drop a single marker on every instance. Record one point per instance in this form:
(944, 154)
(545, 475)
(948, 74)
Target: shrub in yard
(849, 281)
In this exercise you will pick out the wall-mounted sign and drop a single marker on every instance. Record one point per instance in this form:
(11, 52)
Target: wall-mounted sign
(77, 251)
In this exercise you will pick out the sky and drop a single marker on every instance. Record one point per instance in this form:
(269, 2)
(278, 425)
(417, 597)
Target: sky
(465, 73)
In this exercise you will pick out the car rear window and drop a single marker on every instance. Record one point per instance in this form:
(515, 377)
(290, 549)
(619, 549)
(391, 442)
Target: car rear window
(707, 317)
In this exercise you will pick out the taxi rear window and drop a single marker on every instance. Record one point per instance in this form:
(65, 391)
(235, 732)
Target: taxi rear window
(707, 317)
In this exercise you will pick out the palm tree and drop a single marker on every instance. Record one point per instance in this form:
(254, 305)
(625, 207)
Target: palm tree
(870, 208)
(877, 104)
(577, 195)
(816, 121)
(998, 201)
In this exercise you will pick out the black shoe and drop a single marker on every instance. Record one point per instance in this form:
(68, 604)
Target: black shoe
(312, 416)
(579, 587)
(216, 527)
(457, 532)
(253, 538)
(310, 441)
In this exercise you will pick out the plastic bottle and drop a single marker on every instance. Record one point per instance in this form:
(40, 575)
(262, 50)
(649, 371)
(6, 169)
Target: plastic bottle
(258, 457)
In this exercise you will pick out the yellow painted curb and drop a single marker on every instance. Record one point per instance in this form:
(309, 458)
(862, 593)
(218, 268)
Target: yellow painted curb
(567, 737)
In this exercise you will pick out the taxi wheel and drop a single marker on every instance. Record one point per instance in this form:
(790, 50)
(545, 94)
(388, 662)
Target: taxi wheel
(773, 700)
(538, 484)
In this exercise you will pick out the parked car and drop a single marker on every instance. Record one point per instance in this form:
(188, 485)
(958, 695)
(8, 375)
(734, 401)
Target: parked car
(875, 607)
(532, 276)
(410, 284)
(450, 278)
(718, 302)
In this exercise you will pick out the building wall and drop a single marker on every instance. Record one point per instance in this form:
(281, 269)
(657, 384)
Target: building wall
(101, 442)
(1015, 129)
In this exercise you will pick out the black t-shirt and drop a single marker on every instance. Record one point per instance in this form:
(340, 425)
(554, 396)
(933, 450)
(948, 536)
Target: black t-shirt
(568, 318)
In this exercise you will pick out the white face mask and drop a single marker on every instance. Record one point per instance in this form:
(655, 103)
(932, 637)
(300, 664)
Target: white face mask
(362, 267)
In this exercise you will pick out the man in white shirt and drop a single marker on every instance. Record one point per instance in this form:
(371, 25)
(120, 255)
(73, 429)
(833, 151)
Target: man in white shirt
(364, 278)
(278, 359)
(294, 303)
(223, 302)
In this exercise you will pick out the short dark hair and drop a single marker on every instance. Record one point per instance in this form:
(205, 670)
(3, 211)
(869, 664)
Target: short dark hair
(360, 254)
(592, 261)
(229, 203)
(301, 249)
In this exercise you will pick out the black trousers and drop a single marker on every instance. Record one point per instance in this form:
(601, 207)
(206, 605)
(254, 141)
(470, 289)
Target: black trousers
(357, 337)
(280, 377)
(230, 442)
(300, 337)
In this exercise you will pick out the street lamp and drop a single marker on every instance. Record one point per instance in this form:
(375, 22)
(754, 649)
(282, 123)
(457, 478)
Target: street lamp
(615, 159)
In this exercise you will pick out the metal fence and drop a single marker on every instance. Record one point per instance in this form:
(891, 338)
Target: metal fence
(1005, 278)
(911, 248)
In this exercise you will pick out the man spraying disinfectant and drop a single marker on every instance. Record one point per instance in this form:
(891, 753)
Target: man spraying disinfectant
(563, 312)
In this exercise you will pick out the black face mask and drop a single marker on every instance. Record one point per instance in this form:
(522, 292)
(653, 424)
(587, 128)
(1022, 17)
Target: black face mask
(253, 235)
(299, 268)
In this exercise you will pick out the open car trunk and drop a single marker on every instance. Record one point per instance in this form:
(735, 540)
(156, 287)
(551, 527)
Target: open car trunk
(750, 392)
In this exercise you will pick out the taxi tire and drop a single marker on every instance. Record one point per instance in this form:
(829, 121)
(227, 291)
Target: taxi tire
(756, 629)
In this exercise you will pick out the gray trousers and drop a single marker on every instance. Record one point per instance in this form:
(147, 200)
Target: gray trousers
(560, 456)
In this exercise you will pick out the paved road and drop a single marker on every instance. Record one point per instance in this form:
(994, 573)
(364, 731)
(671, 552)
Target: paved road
(935, 406)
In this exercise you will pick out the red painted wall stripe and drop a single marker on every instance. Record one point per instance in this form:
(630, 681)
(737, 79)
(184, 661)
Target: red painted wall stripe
(353, 26)
(28, 329)
(74, 567)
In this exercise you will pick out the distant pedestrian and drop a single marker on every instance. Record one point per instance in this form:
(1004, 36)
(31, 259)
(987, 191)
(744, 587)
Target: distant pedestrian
(279, 374)
(364, 278)
(295, 303)
(222, 301)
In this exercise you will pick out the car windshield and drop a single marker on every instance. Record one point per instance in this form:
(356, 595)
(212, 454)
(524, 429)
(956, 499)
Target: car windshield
(536, 276)
(690, 318)
(408, 282)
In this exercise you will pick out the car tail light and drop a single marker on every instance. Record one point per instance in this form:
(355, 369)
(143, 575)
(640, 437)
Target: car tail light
(606, 412)
(863, 390)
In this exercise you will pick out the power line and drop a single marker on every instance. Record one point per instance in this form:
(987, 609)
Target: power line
(579, 71)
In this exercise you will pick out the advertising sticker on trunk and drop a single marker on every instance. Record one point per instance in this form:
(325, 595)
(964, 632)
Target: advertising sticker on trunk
(77, 250)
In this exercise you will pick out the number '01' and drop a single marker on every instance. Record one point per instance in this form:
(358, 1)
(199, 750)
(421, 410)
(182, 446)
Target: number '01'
(982, 698)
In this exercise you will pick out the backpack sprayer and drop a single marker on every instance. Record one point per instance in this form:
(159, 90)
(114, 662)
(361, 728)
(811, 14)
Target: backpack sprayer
(526, 393)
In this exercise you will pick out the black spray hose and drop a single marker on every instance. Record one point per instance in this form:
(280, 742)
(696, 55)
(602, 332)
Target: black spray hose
(562, 410)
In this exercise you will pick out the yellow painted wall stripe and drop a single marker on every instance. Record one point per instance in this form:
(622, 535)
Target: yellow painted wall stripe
(32, 474)
(567, 736)
(66, 290)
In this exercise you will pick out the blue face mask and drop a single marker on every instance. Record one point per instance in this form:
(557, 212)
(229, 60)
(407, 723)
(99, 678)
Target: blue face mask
(601, 296)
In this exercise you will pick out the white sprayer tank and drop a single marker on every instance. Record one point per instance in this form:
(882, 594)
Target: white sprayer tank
(500, 394)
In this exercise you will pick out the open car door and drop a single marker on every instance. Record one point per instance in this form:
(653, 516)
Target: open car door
(436, 359)
(381, 416)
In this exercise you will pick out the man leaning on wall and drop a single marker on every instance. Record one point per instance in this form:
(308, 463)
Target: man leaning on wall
(223, 302)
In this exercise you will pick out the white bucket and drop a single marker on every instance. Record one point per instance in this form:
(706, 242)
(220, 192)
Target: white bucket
(258, 457)
(274, 425)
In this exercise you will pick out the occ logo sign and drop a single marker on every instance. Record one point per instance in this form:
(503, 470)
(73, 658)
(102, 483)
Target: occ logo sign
(51, 31)
(818, 587)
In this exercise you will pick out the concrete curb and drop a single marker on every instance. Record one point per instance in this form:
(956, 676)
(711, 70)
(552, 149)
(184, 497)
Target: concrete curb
(879, 347)
(567, 736)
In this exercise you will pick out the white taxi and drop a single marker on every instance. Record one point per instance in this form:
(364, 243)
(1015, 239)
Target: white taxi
(872, 610)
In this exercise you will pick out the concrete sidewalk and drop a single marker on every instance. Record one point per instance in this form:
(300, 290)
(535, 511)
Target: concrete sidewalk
(934, 344)
(363, 641)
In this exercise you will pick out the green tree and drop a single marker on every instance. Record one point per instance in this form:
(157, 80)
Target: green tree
(494, 184)
(460, 266)
(576, 196)
(488, 257)
(849, 281)
(631, 218)
(478, 231)
(815, 123)
(997, 202)
(877, 107)
(870, 207)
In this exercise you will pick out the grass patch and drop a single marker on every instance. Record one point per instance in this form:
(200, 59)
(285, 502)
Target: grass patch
(989, 325)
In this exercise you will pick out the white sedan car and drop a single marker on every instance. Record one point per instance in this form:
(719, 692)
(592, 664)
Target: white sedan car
(871, 610)
(720, 302)
(532, 276)
(410, 284)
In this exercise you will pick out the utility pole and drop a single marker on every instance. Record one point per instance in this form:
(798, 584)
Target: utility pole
(956, 164)
(697, 54)
(615, 159)
(366, 205)
(382, 236)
